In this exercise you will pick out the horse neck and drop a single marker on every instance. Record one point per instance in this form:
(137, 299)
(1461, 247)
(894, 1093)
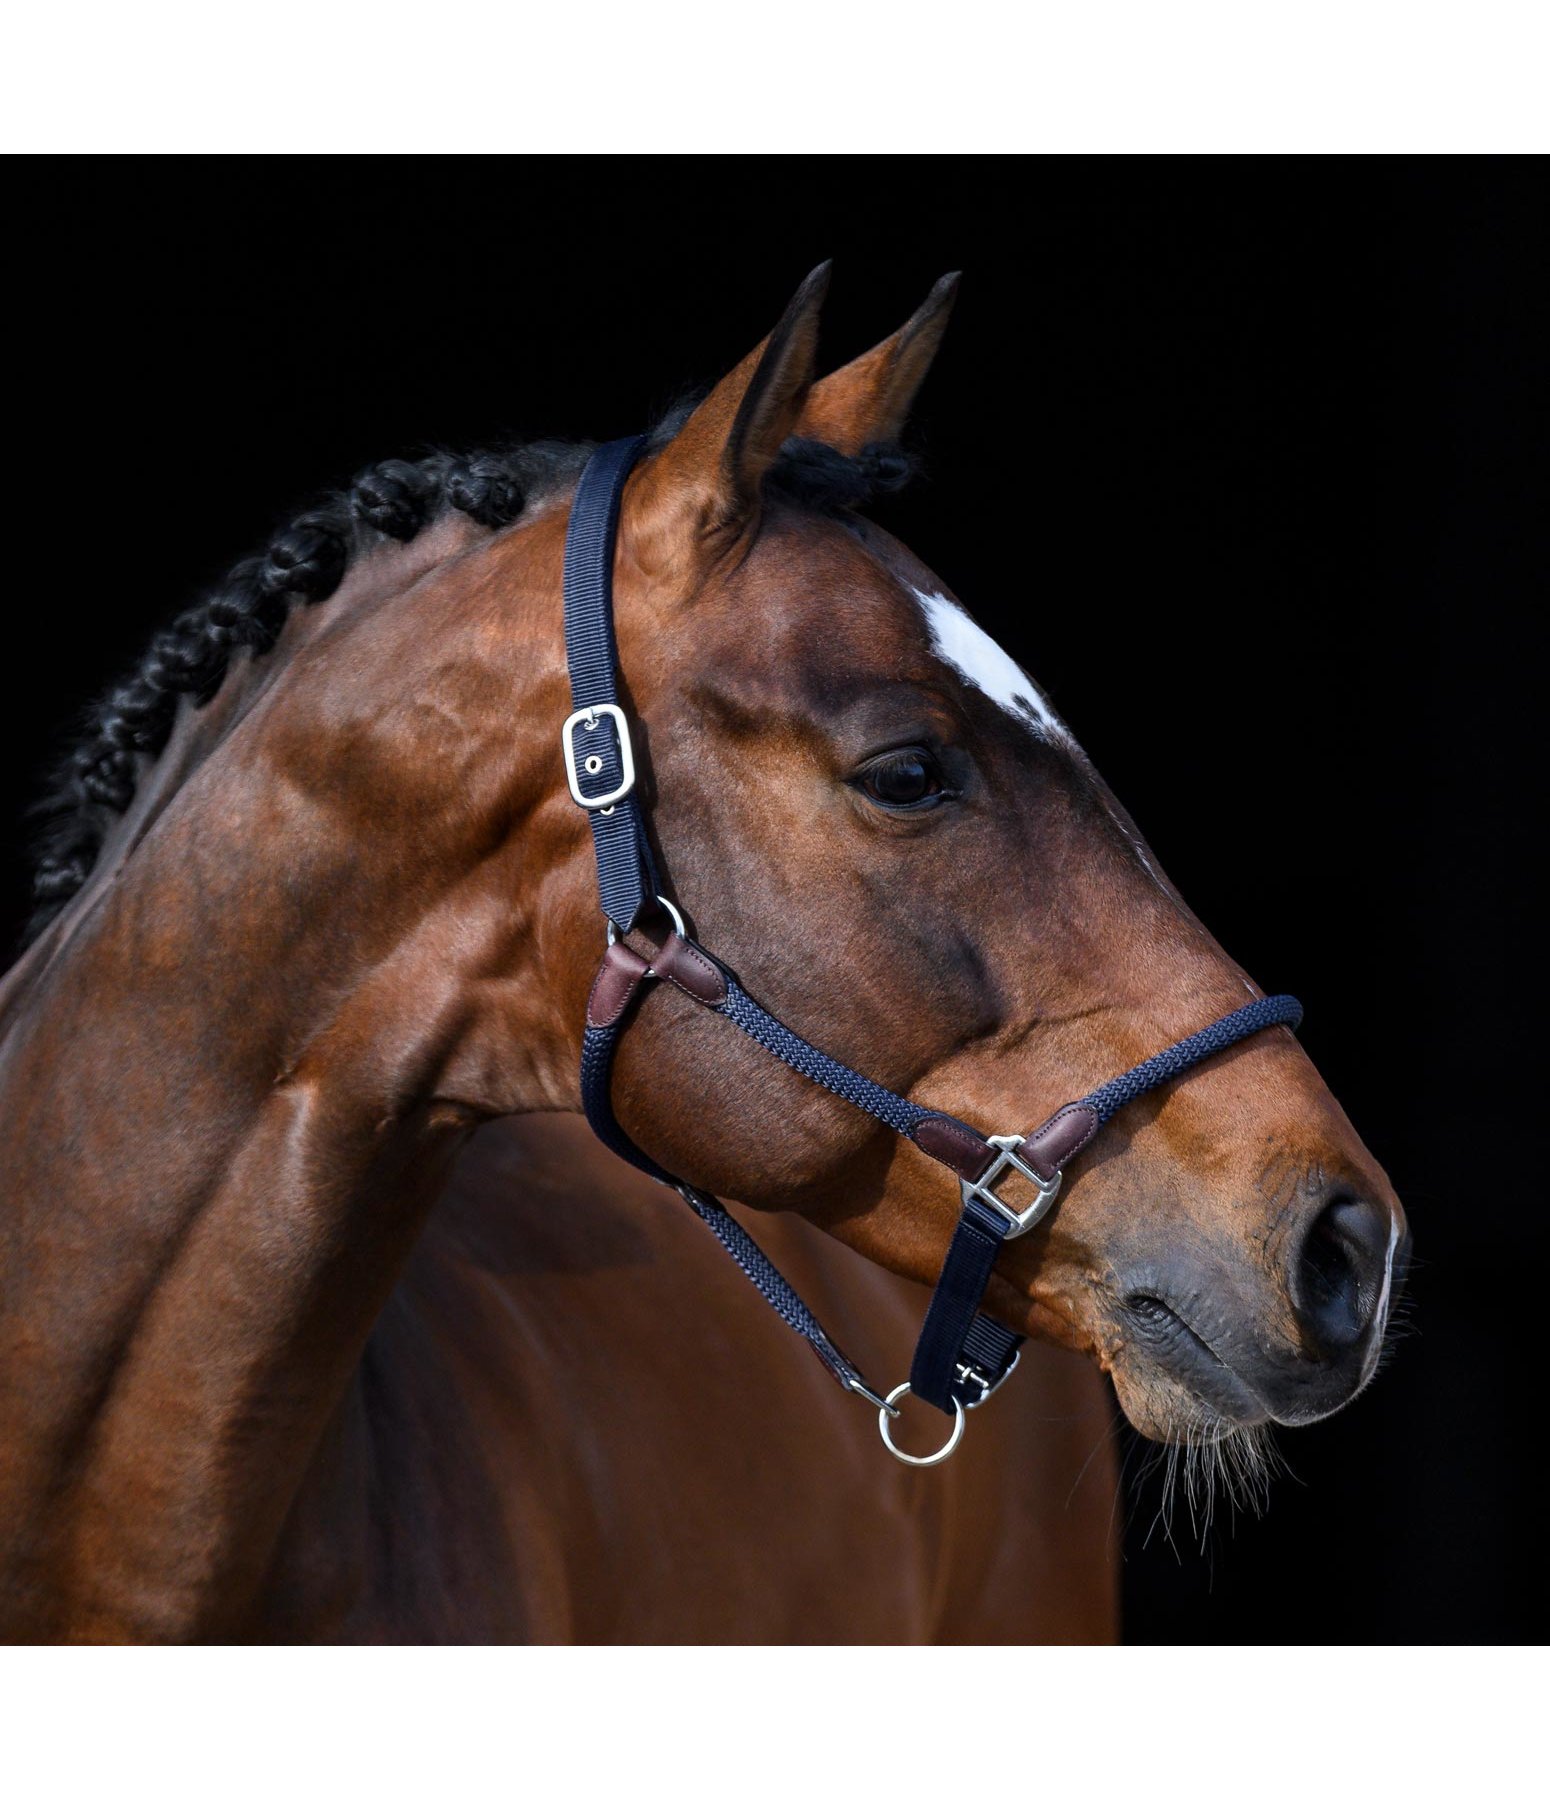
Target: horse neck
(234, 1074)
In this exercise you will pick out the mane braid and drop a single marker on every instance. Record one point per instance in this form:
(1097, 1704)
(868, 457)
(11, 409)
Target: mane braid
(303, 565)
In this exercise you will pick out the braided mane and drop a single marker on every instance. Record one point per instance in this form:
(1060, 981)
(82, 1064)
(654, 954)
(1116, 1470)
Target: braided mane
(303, 565)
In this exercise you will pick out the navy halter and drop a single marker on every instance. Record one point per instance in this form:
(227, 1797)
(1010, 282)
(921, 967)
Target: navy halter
(962, 1356)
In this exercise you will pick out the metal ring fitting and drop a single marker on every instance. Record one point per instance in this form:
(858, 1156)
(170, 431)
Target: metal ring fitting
(668, 907)
(936, 1456)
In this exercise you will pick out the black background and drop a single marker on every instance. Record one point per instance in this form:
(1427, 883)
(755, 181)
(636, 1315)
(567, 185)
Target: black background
(1245, 460)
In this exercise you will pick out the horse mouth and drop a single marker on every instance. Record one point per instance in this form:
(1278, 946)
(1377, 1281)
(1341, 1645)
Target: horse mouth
(1179, 1353)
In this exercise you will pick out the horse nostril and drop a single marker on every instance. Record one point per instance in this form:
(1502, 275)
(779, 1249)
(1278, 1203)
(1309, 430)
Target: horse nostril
(1336, 1276)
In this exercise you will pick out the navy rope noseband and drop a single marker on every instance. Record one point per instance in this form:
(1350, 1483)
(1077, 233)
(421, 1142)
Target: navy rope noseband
(962, 1355)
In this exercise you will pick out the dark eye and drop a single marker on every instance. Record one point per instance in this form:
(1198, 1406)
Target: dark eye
(903, 780)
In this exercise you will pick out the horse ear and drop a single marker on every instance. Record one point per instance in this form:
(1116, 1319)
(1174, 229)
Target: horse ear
(708, 476)
(868, 401)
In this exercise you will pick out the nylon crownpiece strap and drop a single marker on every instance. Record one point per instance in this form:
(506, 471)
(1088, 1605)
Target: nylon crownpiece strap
(626, 872)
(625, 877)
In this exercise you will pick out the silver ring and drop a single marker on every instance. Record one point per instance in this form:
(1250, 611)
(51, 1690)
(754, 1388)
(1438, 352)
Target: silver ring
(936, 1456)
(668, 907)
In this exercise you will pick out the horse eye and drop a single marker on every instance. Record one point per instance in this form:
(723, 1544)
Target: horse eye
(903, 780)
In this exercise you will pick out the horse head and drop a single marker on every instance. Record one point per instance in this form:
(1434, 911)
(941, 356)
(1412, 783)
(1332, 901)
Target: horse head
(867, 808)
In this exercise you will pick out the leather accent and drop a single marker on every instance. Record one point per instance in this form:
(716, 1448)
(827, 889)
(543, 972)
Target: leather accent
(683, 963)
(952, 1142)
(836, 1364)
(1059, 1138)
(619, 975)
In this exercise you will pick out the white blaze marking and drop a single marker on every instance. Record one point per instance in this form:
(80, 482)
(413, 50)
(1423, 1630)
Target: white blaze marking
(981, 661)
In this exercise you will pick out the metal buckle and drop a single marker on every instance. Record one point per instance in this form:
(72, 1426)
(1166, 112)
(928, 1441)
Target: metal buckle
(1016, 1222)
(969, 1372)
(587, 717)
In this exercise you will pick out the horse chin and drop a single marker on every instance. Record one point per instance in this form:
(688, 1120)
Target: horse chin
(1213, 1404)
(1212, 1458)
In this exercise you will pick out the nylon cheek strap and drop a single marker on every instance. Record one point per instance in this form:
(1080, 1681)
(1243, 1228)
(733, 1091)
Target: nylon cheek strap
(599, 752)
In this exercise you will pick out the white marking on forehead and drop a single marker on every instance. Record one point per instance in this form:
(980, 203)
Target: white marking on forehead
(981, 661)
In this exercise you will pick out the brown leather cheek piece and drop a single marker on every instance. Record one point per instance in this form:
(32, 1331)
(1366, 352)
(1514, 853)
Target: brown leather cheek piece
(964, 1151)
(690, 970)
(619, 975)
(1059, 1138)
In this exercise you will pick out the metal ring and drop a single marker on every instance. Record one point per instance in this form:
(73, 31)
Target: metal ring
(921, 1462)
(668, 907)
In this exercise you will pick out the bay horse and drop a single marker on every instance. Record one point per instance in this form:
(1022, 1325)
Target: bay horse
(324, 1318)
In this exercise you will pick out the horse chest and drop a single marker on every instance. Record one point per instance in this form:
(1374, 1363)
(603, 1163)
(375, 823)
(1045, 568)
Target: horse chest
(574, 1422)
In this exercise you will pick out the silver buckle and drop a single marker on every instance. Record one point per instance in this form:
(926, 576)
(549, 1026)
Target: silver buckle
(1008, 1160)
(987, 1387)
(587, 717)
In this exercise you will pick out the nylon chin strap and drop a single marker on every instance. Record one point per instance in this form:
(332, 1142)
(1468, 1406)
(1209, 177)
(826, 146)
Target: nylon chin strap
(962, 1355)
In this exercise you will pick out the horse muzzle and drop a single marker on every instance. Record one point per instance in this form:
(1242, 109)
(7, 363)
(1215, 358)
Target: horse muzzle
(1243, 1344)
